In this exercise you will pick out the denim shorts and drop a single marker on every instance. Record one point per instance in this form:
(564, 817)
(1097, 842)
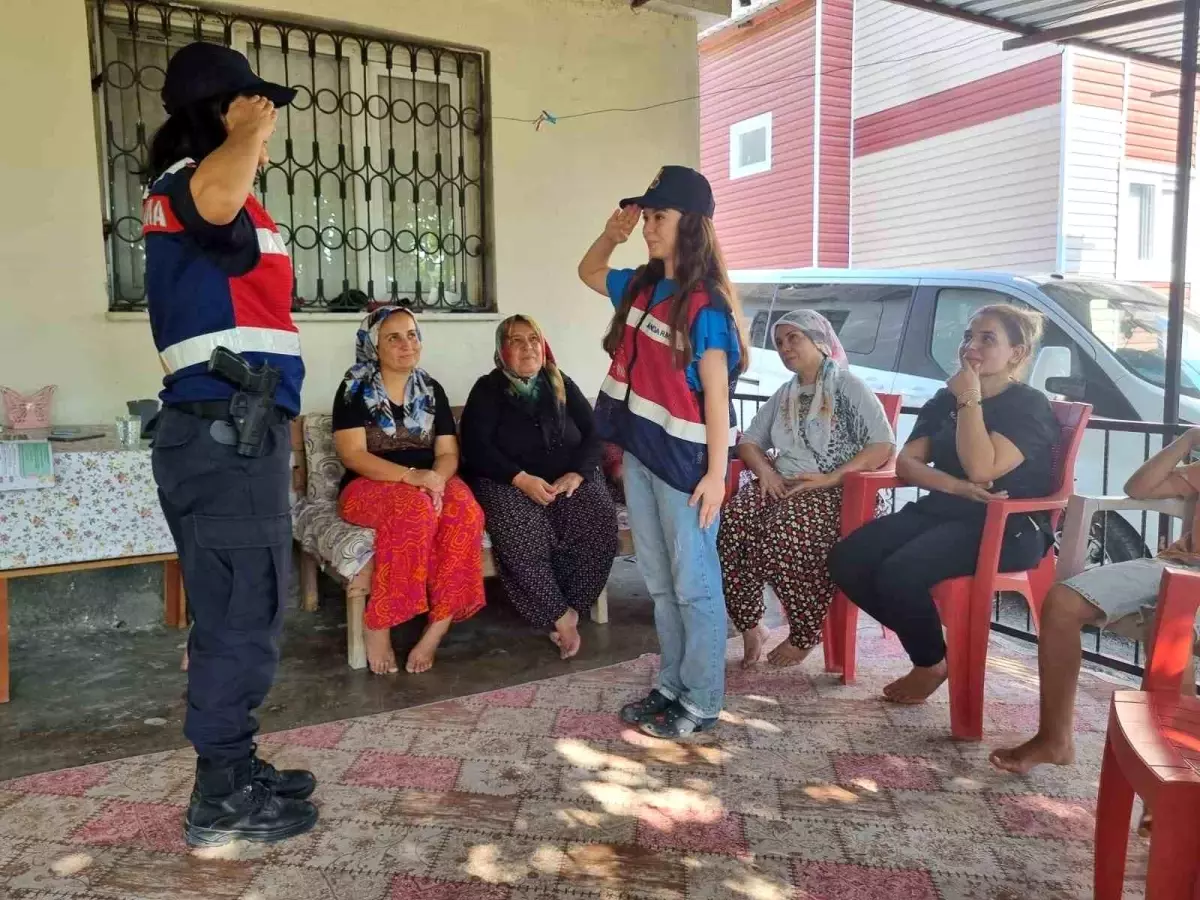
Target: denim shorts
(1125, 594)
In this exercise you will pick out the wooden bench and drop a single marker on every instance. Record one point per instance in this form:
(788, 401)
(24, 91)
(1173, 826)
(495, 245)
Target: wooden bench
(174, 598)
(357, 587)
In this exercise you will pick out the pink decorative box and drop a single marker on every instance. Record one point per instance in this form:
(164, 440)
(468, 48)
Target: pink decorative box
(26, 413)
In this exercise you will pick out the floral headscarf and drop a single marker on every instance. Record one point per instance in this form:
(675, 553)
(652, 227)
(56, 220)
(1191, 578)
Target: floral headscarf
(817, 428)
(367, 376)
(528, 388)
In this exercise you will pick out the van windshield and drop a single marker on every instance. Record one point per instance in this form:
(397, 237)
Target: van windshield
(1132, 322)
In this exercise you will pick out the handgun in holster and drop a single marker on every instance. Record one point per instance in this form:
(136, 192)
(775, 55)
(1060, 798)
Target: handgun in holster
(252, 408)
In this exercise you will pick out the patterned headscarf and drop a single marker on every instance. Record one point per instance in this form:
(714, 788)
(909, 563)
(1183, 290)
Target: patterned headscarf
(528, 388)
(367, 376)
(817, 428)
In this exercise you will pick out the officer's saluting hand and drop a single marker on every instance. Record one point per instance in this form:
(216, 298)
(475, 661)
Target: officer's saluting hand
(218, 276)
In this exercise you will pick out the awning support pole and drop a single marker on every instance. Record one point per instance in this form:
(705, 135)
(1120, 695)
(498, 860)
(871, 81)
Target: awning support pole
(1183, 193)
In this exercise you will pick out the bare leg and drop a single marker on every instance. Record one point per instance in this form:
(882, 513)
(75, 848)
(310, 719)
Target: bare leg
(566, 634)
(420, 658)
(917, 686)
(753, 640)
(381, 657)
(1060, 654)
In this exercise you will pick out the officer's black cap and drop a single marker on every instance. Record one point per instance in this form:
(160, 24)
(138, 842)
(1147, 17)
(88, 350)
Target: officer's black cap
(677, 187)
(202, 71)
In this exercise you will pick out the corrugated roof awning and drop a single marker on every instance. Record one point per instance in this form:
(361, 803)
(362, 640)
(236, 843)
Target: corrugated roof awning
(1147, 30)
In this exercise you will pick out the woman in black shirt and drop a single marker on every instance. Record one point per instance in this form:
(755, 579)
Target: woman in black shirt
(984, 436)
(533, 457)
(393, 429)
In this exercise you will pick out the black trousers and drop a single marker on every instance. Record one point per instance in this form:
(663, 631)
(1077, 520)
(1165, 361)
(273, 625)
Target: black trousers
(230, 519)
(551, 558)
(889, 566)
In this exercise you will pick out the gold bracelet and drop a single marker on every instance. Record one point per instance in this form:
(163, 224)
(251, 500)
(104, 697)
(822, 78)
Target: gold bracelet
(971, 402)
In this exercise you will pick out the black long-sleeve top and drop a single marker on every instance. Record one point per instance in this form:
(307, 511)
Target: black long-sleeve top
(504, 435)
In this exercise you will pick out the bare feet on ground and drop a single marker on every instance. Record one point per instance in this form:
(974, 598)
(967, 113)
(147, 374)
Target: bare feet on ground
(787, 654)
(381, 658)
(566, 634)
(1034, 752)
(754, 640)
(420, 658)
(917, 686)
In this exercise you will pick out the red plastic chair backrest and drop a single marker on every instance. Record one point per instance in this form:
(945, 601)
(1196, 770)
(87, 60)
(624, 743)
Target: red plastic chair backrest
(891, 407)
(1072, 424)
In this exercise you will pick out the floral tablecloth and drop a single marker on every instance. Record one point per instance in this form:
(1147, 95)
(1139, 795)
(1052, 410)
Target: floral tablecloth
(103, 505)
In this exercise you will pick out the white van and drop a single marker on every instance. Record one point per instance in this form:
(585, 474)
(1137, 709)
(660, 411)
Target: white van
(1104, 343)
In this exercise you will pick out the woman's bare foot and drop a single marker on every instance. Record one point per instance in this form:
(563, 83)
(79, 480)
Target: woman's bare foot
(787, 654)
(420, 658)
(1034, 752)
(754, 640)
(1146, 824)
(183, 664)
(381, 658)
(917, 686)
(566, 634)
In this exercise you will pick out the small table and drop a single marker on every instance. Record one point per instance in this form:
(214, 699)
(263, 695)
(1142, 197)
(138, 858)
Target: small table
(102, 511)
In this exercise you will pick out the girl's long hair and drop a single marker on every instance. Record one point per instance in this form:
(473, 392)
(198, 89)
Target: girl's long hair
(698, 265)
(194, 131)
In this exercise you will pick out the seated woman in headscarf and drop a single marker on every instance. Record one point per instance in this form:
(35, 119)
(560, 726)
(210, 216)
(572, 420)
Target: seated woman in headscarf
(394, 431)
(780, 527)
(533, 458)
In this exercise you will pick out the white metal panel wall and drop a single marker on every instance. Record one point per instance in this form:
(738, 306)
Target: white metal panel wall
(1092, 170)
(903, 54)
(984, 197)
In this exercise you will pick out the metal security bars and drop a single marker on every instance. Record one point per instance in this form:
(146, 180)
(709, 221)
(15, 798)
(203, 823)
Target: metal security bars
(377, 176)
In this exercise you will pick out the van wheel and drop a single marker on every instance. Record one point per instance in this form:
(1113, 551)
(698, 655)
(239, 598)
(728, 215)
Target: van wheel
(1111, 540)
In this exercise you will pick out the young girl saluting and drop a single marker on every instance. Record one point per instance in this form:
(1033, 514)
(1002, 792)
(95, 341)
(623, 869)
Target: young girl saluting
(677, 346)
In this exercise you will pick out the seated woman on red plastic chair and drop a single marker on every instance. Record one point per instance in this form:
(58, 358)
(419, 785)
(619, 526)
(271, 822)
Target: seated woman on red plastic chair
(1100, 596)
(984, 436)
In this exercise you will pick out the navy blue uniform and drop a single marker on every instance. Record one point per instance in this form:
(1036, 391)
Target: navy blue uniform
(230, 286)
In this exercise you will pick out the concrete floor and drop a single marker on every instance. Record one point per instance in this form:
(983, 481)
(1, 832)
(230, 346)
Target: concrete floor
(89, 696)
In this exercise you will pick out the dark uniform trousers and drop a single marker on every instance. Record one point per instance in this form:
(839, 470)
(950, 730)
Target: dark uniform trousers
(230, 518)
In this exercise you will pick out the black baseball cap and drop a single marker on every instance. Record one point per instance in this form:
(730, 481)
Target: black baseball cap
(677, 187)
(202, 71)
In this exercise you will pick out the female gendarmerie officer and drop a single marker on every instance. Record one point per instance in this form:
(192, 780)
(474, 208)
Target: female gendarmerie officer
(218, 275)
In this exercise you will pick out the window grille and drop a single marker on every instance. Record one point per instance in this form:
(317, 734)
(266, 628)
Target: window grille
(377, 169)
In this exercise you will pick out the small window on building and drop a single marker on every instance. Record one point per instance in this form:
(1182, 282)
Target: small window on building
(750, 146)
(1142, 197)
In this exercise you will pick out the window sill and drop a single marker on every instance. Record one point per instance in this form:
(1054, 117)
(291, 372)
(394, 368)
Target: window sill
(355, 317)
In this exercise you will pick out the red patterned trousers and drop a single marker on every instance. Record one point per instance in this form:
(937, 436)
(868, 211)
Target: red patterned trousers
(424, 563)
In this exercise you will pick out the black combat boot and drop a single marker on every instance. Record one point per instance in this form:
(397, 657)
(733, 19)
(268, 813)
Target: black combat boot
(291, 784)
(228, 804)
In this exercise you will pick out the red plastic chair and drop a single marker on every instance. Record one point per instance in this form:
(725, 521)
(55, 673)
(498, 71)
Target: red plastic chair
(965, 603)
(1153, 749)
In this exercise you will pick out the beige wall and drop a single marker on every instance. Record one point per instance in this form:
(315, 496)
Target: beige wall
(551, 190)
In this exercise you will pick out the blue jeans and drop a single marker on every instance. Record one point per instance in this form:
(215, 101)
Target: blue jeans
(679, 562)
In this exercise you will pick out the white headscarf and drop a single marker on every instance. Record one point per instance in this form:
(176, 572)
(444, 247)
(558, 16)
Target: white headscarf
(817, 428)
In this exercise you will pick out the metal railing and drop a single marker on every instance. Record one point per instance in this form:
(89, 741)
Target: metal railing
(377, 169)
(1112, 451)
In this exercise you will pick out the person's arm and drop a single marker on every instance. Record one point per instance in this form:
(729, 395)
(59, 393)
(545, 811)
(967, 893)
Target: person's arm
(225, 177)
(985, 456)
(756, 441)
(480, 425)
(1159, 477)
(912, 465)
(714, 381)
(351, 447)
(589, 452)
(445, 456)
(593, 268)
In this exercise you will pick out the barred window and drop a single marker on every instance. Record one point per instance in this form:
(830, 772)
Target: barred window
(377, 171)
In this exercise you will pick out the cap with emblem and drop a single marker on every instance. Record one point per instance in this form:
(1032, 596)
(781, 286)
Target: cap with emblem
(677, 187)
(203, 71)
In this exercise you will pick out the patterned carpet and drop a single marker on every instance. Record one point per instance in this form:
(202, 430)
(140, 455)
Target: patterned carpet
(809, 790)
